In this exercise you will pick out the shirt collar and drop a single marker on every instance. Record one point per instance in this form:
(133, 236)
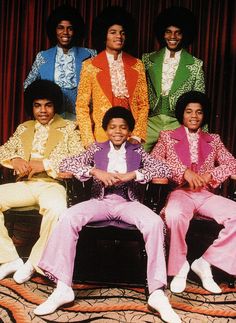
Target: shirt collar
(61, 53)
(177, 54)
(191, 133)
(121, 150)
(38, 124)
(111, 59)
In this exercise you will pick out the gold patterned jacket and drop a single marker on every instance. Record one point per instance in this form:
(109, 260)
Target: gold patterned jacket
(63, 141)
(94, 96)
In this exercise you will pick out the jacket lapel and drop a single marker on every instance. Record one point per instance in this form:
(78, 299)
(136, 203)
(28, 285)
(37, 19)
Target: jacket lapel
(204, 147)
(101, 156)
(131, 75)
(182, 73)
(27, 138)
(155, 70)
(47, 70)
(55, 135)
(182, 145)
(103, 76)
(133, 159)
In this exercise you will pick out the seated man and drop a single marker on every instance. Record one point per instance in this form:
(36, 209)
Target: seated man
(200, 162)
(34, 152)
(116, 166)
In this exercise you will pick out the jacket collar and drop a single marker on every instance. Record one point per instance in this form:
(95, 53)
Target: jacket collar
(182, 146)
(55, 136)
(49, 69)
(133, 159)
(103, 76)
(182, 73)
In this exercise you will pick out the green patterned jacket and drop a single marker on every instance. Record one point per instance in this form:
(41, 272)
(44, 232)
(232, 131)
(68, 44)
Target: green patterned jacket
(189, 76)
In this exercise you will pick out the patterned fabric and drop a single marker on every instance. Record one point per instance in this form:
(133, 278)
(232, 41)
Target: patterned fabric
(44, 68)
(40, 140)
(193, 138)
(189, 76)
(169, 68)
(95, 86)
(117, 73)
(213, 157)
(64, 140)
(81, 164)
(65, 75)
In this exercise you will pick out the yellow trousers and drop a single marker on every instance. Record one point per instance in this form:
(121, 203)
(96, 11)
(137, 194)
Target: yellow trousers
(51, 198)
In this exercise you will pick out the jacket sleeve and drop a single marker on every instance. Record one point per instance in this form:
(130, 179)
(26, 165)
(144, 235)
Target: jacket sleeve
(153, 168)
(12, 148)
(79, 165)
(83, 104)
(70, 145)
(34, 72)
(164, 152)
(140, 103)
(225, 163)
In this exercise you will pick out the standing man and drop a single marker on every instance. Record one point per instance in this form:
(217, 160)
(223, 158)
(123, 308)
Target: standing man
(172, 71)
(34, 153)
(111, 78)
(62, 62)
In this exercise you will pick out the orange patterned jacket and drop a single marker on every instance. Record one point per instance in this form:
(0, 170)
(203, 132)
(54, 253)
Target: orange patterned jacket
(95, 97)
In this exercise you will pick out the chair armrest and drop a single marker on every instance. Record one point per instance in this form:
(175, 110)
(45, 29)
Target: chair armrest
(160, 181)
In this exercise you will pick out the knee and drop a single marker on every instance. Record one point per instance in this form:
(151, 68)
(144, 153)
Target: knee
(173, 217)
(155, 224)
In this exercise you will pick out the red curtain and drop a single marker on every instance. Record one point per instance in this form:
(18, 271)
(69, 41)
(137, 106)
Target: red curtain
(23, 35)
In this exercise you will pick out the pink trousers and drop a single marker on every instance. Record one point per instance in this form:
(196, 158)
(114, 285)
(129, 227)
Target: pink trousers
(180, 209)
(59, 255)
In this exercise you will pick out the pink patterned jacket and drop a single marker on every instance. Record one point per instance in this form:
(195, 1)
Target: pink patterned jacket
(214, 158)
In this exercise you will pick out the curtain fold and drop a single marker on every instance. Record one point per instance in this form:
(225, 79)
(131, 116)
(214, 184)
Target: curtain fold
(23, 35)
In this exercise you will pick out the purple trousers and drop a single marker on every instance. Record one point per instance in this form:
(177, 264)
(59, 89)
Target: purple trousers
(59, 255)
(180, 209)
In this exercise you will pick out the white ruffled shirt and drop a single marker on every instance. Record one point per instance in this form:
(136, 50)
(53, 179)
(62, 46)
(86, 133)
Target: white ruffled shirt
(65, 72)
(117, 73)
(117, 162)
(169, 68)
(193, 138)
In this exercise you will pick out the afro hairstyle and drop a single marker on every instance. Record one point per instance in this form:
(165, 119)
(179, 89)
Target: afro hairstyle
(110, 16)
(43, 89)
(193, 97)
(179, 17)
(66, 12)
(118, 112)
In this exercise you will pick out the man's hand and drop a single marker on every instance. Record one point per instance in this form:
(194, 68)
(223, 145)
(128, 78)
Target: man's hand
(36, 166)
(108, 179)
(207, 178)
(133, 141)
(65, 175)
(195, 181)
(126, 177)
(21, 166)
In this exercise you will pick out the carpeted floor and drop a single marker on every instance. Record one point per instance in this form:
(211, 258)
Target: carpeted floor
(95, 303)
